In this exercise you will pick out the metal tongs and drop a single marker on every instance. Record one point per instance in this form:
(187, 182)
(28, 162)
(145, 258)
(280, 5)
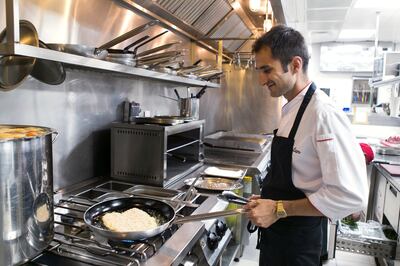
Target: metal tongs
(234, 198)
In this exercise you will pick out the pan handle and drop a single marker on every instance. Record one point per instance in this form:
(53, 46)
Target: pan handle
(149, 40)
(126, 35)
(125, 50)
(207, 216)
(201, 92)
(136, 43)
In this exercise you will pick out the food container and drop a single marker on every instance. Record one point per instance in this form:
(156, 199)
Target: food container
(189, 107)
(26, 194)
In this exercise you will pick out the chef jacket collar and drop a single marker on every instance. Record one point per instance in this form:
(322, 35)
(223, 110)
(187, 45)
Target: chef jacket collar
(295, 101)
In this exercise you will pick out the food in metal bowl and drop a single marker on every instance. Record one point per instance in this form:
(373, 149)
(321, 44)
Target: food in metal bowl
(130, 220)
(20, 132)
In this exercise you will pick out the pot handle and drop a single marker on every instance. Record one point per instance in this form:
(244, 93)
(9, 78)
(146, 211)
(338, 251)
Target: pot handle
(55, 136)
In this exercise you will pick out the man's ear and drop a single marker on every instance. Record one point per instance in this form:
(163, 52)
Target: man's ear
(297, 64)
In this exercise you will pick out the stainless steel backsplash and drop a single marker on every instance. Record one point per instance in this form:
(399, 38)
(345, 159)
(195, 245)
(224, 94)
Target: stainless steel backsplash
(83, 107)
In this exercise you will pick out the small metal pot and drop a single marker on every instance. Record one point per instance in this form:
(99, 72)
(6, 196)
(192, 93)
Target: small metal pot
(26, 196)
(189, 107)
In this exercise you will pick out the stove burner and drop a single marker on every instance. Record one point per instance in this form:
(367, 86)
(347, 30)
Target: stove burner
(151, 245)
(74, 240)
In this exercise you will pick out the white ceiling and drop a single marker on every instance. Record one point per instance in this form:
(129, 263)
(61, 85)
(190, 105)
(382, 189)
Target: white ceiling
(323, 20)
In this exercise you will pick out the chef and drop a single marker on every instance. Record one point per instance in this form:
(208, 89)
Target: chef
(317, 167)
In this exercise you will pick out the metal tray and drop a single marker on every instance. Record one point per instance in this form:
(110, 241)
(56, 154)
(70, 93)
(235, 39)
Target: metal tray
(367, 238)
(152, 191)
(388, 151)
(184, 118)
(375, 248)
(233, 140)
(214, 183)
(110, 196)
(158, 120)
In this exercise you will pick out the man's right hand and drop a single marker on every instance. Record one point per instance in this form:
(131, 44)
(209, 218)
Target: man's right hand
(255, 197)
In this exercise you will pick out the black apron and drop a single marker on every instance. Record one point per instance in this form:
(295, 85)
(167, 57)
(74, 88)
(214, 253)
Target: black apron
(295, 240)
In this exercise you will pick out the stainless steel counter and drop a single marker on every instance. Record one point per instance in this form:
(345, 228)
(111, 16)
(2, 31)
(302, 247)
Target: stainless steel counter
(393, 160)
(255, 162)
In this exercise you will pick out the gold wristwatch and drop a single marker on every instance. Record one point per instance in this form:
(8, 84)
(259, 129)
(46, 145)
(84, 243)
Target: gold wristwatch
(280, 211)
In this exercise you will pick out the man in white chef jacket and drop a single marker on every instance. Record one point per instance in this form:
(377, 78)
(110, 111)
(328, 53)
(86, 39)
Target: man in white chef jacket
(317, 167)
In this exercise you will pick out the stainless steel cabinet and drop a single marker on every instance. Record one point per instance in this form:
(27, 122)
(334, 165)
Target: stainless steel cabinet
(392, 205)
(379, 201)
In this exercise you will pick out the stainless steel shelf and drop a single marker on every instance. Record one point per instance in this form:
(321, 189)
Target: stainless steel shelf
(81, 61)
(385, 82)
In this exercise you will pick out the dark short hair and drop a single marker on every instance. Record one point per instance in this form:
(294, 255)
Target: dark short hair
(285, 43)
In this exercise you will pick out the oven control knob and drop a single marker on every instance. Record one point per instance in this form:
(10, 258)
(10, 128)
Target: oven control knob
(212, 241)
(220, 228)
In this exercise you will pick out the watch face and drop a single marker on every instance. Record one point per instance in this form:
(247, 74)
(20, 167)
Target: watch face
(281, 214)
(280, 211)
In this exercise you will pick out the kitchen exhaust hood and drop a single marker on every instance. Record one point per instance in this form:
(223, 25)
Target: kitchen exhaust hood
(207, 21)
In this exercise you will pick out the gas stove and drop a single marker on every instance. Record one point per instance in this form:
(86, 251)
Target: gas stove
(75, 245)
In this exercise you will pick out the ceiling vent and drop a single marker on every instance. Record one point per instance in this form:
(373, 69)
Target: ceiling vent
(202, 15)
(233, 27)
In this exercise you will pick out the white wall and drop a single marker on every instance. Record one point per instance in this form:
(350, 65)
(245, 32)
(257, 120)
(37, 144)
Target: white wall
(340, 83)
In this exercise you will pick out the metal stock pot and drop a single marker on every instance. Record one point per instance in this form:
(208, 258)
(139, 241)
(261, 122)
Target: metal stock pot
(26, 194)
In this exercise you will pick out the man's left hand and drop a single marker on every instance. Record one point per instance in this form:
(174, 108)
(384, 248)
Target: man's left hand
(262, 212)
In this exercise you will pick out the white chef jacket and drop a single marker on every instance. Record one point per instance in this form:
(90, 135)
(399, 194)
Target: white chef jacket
(327, 162)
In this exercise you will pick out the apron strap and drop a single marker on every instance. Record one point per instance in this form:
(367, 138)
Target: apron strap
(258, 238)
(303, 106)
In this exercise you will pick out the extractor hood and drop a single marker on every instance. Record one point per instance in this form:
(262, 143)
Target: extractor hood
(207, 21)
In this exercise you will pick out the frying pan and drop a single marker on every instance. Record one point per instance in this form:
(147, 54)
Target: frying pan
(46, 71)
(159, 55)
(191, 69)
(156, 49)
(154, 62)
(126, 56)
(100, 52)
(126, 49)
(163, 212)
(149, 40)
(13, 68)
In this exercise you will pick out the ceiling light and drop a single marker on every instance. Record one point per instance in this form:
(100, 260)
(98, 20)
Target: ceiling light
(235, 5)
(381, 4)
(356, 34)
(267, 24)
(255, 5)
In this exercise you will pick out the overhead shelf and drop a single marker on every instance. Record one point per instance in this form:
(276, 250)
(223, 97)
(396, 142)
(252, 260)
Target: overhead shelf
(386, 82)
(81, 61)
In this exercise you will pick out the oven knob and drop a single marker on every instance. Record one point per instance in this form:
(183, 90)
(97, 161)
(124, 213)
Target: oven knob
(212, 241)
(220, 228)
